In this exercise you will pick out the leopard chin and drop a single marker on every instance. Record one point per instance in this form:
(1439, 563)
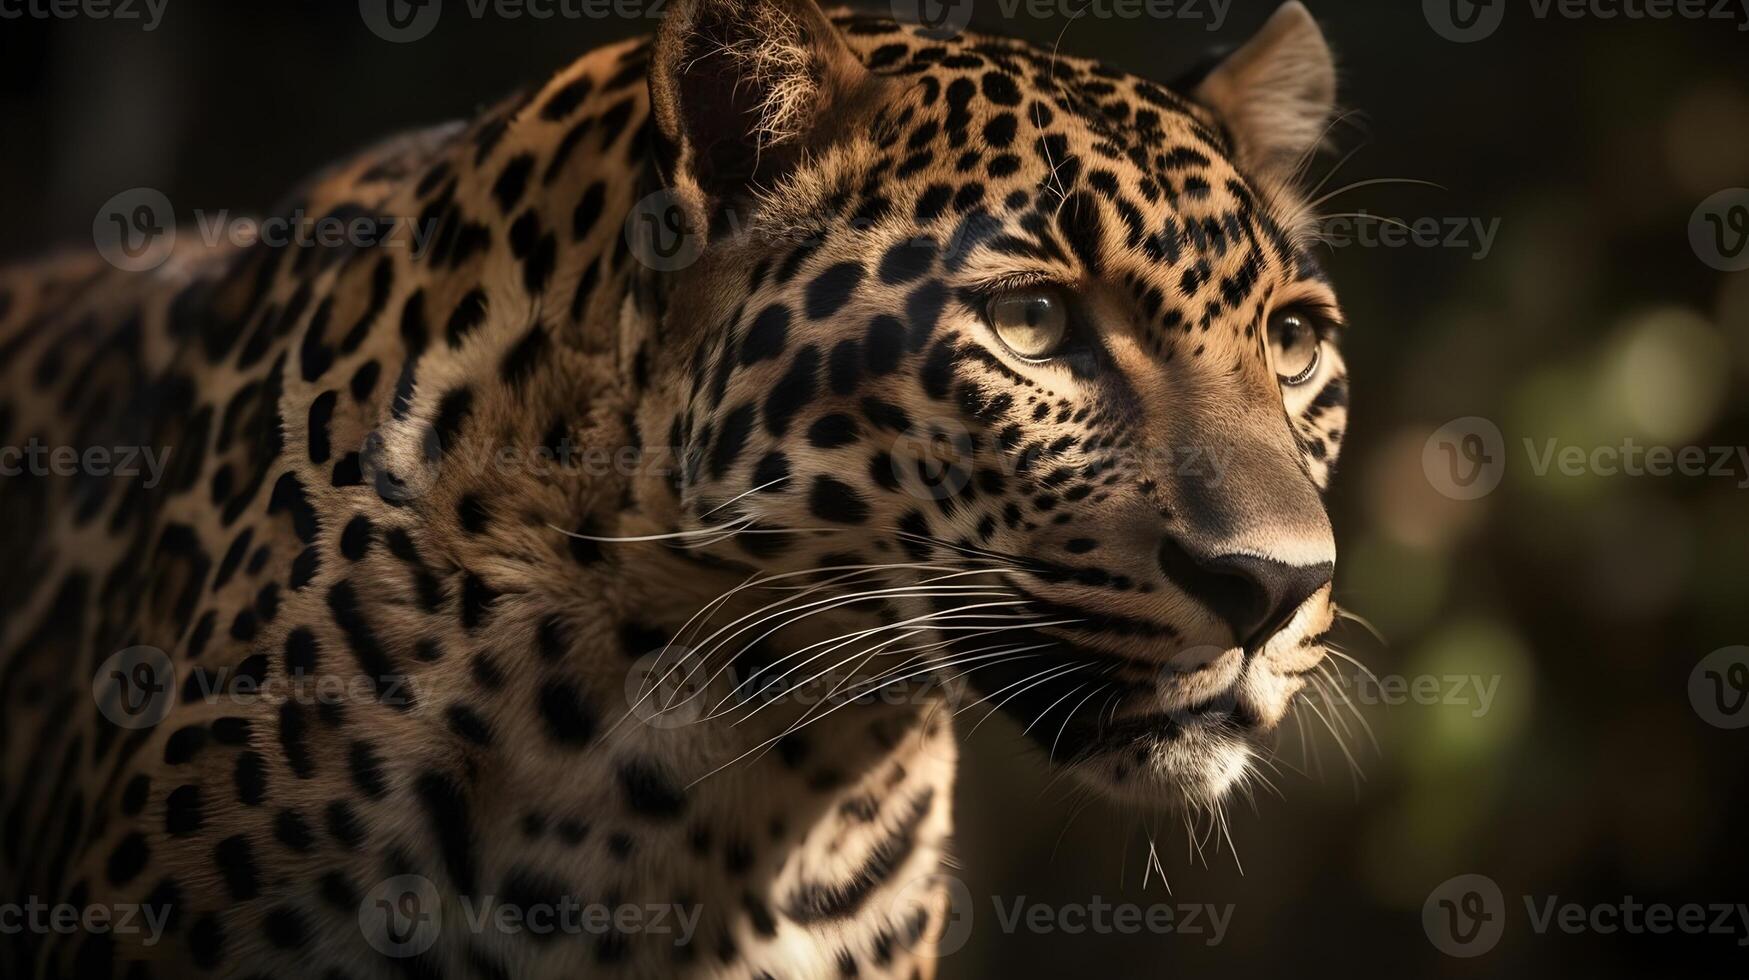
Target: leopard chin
(1179, 739)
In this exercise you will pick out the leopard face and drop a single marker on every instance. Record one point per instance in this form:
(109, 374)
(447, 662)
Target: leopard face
(987, 363)
(1034, 351)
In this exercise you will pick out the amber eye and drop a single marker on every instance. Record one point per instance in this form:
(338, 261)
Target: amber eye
(1297, 343)
(1031, 321)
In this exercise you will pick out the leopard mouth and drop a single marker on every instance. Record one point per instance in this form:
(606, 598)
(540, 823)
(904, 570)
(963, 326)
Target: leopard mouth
(1135, 736)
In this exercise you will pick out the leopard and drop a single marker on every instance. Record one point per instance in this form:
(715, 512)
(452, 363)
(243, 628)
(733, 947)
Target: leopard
(583, 566)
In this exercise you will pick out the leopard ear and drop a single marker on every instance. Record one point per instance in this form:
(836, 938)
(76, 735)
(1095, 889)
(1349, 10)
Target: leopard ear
(740, 89)
(1277, 93)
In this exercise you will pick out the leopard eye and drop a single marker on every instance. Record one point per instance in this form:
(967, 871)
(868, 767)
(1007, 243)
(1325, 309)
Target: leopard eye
(1296, 343)
(1031, 321)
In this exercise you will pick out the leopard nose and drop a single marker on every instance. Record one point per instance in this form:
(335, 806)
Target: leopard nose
(1255, 596)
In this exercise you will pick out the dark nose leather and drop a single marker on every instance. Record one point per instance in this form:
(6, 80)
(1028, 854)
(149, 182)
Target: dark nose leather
(1255, 596)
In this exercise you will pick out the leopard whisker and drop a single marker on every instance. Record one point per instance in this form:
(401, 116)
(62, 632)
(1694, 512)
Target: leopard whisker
(703, 615)
(853, 571)
(970, 551)
(1354, 709)
(956, 663)
(744, 494)
(821, 606)
(1051, 707)
(1052, 755)
(840, 642)
(640, 538)
(1227, 832)
(1343, 612)
(930, 622)
(1344, 655)
(995, 656)
(1030, 683)
(1356, 185)
(919, 655)
(717, 709)
(773, 740)
(1353, 763)
(753, 581)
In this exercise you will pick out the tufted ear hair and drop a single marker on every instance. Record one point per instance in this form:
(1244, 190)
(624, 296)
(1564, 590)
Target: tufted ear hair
(741, 88)
(1277, 93)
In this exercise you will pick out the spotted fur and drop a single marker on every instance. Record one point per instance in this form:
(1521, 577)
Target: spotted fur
(382, 474)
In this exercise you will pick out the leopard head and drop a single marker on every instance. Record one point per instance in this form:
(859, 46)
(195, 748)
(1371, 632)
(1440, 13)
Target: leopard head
(1028, 357)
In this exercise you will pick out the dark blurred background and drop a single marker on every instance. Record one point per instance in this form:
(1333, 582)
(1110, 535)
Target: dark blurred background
(1573, 765)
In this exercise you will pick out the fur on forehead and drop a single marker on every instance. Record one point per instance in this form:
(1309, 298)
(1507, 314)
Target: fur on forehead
(815, 121)
(808, 202)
